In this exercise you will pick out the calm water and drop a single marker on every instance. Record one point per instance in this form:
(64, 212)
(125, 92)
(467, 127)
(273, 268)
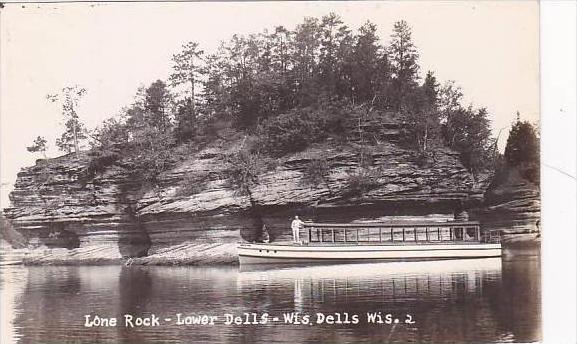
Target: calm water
(482, 300)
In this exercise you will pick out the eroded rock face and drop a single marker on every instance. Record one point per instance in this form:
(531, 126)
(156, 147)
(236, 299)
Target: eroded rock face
(195, 201)
(54, 205)
(513, 205)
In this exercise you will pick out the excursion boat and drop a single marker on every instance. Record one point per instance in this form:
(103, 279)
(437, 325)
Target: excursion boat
(366, 242)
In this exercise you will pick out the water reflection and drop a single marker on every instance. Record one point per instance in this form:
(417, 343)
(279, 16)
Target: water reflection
(396, 280)
(481, 300)
(449, 300)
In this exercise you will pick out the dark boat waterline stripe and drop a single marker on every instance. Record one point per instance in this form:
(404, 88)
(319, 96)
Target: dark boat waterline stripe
(371, 258)
(362, 251)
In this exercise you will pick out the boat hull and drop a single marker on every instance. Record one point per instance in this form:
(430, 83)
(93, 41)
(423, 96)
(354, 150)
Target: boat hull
(298, 254)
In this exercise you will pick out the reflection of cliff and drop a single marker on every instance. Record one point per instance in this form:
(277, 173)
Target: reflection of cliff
(57, 298)
(519, 270)
(135, 292)
(12, 285)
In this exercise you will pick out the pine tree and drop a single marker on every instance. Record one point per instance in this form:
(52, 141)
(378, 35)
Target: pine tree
(157, 103)
(335, 47)
(306, 52)
(522, 144)
(369, 66)
(430, 90)
(188, 70)
(403, 56)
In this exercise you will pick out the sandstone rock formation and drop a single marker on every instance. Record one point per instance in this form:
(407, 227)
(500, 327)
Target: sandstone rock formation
(512, 205)
(55, 203)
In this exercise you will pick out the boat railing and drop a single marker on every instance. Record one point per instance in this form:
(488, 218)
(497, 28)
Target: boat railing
(492, 236)
(351, 233)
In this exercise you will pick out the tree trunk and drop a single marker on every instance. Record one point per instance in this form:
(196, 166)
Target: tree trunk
(75, 131)
(192, 105)
(425, 139)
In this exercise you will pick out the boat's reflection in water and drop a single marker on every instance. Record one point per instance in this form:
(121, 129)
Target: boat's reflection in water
(449, 300)
(376, 283)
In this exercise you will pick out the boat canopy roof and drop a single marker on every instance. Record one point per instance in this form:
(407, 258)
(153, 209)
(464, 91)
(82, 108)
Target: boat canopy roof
(394, 224)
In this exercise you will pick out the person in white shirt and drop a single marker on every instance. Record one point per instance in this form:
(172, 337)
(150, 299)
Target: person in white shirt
(296, 226)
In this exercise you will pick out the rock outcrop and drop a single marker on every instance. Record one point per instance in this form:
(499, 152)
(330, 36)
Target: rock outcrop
(55, 204)
(512, 204)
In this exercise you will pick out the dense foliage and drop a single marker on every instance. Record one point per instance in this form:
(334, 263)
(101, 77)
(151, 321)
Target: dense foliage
(522, 150)
(283, 90)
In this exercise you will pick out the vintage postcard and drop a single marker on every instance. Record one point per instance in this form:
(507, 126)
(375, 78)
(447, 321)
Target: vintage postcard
(270, 172)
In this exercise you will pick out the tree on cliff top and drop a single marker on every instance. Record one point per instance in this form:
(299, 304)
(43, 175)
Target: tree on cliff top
(187, 70)
(423, 119)
(75, 131)
(288, 89)
(39, 145)
(150, 131)
(522, 150)
(369, 68)
(466, 129)
(403, 56)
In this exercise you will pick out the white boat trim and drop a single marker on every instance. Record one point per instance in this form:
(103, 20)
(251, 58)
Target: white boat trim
(278, 253)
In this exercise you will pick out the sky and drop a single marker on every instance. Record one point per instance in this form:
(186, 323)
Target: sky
(490, 49)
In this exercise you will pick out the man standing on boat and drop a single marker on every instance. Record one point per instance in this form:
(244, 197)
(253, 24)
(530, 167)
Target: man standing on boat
(296, 226)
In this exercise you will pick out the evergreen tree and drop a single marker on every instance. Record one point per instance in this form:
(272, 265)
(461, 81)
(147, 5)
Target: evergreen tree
(187, 70)
(335, 47)
(522, 144)
(403, 58)
(522, 150)
(306, 52)
(369, 66)
(157, 104)
(430, 91)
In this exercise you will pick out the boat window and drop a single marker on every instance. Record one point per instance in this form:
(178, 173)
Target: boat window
(458, 233)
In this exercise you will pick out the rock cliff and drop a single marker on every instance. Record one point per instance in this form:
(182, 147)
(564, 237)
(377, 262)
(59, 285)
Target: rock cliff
(55, 204)
(512, 204)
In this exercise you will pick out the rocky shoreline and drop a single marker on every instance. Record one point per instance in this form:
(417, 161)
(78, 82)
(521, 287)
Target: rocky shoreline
(183, 254)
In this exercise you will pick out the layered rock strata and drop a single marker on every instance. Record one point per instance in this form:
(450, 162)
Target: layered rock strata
(56, 205)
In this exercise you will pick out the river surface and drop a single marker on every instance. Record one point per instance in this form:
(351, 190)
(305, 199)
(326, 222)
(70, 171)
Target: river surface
(476, 300)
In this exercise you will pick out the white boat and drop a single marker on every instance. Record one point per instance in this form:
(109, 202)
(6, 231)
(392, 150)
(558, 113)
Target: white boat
(366, 242)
